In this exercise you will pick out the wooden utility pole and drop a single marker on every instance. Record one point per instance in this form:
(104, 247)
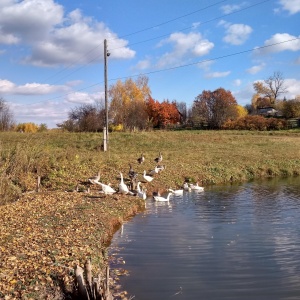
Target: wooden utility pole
(105, 133)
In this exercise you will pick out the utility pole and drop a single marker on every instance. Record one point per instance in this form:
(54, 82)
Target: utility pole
(105, 131)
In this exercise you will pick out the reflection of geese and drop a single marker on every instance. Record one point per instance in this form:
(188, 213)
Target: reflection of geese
(107, 189)
(162, 199)
(94, 178)
(123, 188)
(176, 192)
(196, 187)
(159, 158)
(147, 177)
(141, 159)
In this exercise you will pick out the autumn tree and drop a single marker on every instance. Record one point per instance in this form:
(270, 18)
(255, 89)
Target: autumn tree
(271, 87)
(214, 108)
(27, 127)
(241, 111)
(128, 103)
(291, 108)
(6, 116)
(162, 114)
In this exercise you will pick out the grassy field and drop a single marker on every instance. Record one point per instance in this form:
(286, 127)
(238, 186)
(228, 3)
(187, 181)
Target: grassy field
(44, 234)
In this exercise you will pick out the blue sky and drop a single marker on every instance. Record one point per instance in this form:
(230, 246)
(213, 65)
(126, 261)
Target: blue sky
(51, 51)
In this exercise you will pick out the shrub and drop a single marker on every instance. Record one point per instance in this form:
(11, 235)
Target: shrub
(255, 123)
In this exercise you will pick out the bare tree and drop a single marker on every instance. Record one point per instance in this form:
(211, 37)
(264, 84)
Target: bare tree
(86, 118)
(271, 87)
(6, 116)
(181, 106)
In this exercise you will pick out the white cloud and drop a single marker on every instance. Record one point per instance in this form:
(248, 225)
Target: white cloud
(205, 65)
(42, 26)
(43, 112)
(84, 98)
(29, 20)
(227, 9)
(244, 94)
(8, 39)
(73, 83)
(217, 74)
(293, 88)
(184, 45)
(255, 69)
(282, 42)
(292, 6)
(8, 87)
(143, 64)
(237, 82)
(237, 34)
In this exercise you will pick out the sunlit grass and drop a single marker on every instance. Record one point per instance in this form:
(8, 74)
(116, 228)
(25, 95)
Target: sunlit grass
(210, 157)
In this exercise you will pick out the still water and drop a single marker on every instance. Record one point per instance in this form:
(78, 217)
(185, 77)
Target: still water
(229, 242)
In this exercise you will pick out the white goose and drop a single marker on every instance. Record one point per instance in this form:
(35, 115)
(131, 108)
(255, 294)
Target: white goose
(147, 177)
(176, 192)
(141, 193)
(123, 188)
(107, 189)
(196, 187)
(94, 178)
(162, 199)
(154, 171)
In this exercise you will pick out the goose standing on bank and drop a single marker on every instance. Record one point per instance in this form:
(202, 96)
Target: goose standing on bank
(159, 158)
(94, 178)
(141, 193)
(154, 171)
(141, 159)
(162, 199)
(107, 189)
(147, 177)
(123, 188)
(131, 173)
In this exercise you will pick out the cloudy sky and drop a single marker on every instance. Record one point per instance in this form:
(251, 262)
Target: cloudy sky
(51, 51)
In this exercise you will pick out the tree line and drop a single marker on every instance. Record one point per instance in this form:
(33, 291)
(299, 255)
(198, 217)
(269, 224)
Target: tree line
(132, 107)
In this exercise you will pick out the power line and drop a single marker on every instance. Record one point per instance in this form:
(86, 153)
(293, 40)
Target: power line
(164, 35)
(175, 67)
(130, 34)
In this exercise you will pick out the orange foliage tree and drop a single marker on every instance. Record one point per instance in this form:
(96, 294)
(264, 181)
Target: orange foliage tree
(162, 114)
(215, 108)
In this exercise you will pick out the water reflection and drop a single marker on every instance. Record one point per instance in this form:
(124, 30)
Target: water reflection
(229, 242)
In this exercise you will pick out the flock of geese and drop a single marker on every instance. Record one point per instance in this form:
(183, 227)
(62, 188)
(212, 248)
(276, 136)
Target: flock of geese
(148, 177)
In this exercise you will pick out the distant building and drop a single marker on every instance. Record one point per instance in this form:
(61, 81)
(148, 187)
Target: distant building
(268, 112)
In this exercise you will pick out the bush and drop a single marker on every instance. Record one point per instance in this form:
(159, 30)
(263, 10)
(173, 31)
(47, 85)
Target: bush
(255, 123)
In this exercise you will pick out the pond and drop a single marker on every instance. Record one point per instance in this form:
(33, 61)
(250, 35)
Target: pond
(228, 242)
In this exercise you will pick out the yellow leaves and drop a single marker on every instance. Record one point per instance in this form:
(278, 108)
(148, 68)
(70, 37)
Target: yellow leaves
(12, 258)
(45, 236)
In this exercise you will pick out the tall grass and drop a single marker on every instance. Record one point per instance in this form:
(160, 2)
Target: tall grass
(209, 157)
